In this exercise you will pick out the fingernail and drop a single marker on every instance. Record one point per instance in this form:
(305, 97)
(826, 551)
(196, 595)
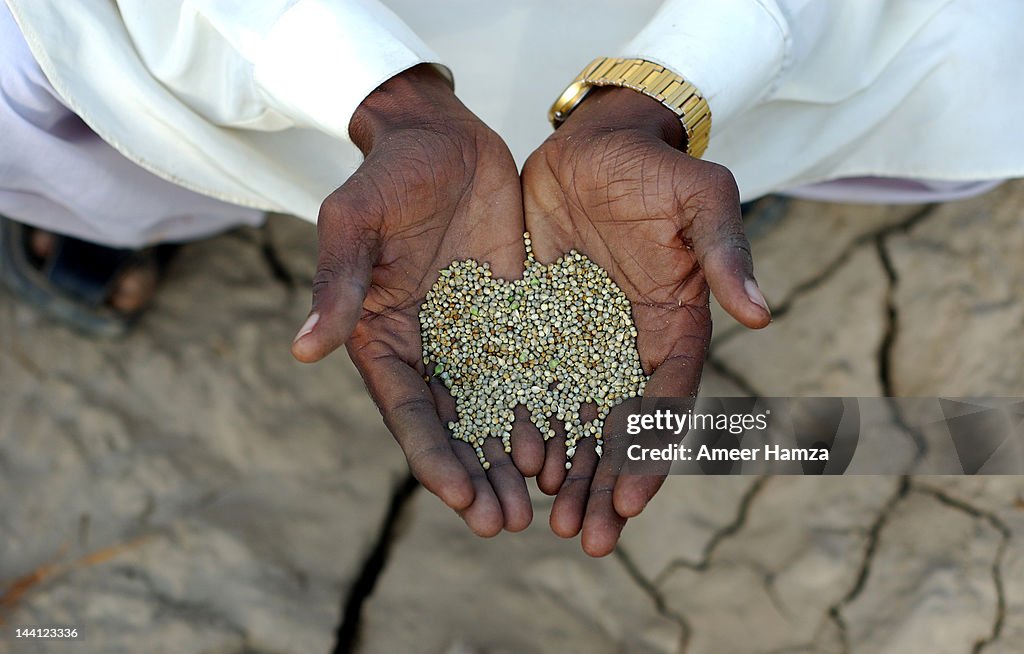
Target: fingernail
(307, 326)
(755, 295)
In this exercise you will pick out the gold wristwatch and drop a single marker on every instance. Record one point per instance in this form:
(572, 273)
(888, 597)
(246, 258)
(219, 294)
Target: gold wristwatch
(651, 79)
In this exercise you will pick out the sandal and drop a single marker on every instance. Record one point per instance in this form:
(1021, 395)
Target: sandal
(74, 282)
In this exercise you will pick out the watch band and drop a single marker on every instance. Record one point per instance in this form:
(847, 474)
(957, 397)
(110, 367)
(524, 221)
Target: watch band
(651, 79)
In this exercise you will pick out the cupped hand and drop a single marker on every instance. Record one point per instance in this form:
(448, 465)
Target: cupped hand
(436, 185)
(612, 183)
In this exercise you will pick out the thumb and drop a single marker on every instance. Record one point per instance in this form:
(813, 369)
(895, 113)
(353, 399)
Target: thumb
(348, 248)
(721, 247)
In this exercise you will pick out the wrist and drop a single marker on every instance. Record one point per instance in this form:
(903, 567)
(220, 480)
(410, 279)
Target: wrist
(419, 97)
(617, 108)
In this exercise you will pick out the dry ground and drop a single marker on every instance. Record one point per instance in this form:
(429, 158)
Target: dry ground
(192, 489)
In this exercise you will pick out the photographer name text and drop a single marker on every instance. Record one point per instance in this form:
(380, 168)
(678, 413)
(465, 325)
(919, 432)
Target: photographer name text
(735, 424)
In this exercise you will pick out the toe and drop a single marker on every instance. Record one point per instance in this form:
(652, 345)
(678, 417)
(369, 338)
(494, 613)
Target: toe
(134, 289)
(42, 243)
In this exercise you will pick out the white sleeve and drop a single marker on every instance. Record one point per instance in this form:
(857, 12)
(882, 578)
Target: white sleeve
(275, 63)
(741, 53)
(734, 51)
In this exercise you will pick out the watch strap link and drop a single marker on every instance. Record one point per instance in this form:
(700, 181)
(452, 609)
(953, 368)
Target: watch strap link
(651, 79)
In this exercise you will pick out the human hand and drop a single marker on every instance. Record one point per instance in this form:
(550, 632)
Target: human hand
(436, 185)
(612, 184)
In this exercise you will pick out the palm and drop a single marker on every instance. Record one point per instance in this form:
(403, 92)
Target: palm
(467, 210)
(656, 220)
(422, 199)
(631, 221)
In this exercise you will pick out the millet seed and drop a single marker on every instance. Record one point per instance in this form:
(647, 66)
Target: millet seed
(557, 339)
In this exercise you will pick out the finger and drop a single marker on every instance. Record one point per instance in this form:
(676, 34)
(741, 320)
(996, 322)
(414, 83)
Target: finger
(509, 486)
(634, 492)
(720, 244)
(550, 478)
(676, 378)
(527, 444)
(571, 502)
(506, 482)
(410, 414)
(484, 516)
(602, 524)
(348, 245)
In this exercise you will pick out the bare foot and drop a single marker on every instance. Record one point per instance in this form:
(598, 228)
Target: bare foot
(130, 293)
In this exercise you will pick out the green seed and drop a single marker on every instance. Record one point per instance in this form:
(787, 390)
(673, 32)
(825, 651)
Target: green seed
(550, 341)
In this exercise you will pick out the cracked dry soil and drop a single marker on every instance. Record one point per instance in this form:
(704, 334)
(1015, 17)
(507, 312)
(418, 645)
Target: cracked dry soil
(192, 489)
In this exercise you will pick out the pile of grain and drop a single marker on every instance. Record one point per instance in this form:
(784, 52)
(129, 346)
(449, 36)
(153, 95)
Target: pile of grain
(557, 339)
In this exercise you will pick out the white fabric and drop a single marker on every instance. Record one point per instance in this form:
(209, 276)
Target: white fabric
(55, 173)
(890, 190)
(732, 50)
(250, 101)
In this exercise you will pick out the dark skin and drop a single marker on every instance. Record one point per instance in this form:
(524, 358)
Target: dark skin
(613, 183)
(437, 185)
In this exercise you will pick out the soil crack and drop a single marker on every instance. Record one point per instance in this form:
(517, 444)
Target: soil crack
(782, 307)
(870, 549)
(997, 563)
(651, 590)
(727, 531)
(364, 585)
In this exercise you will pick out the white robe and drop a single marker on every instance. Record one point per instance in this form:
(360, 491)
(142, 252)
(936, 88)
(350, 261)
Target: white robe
(56, 174)
(249, 102)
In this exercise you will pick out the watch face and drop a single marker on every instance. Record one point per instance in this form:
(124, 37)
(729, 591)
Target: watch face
(566, 102)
